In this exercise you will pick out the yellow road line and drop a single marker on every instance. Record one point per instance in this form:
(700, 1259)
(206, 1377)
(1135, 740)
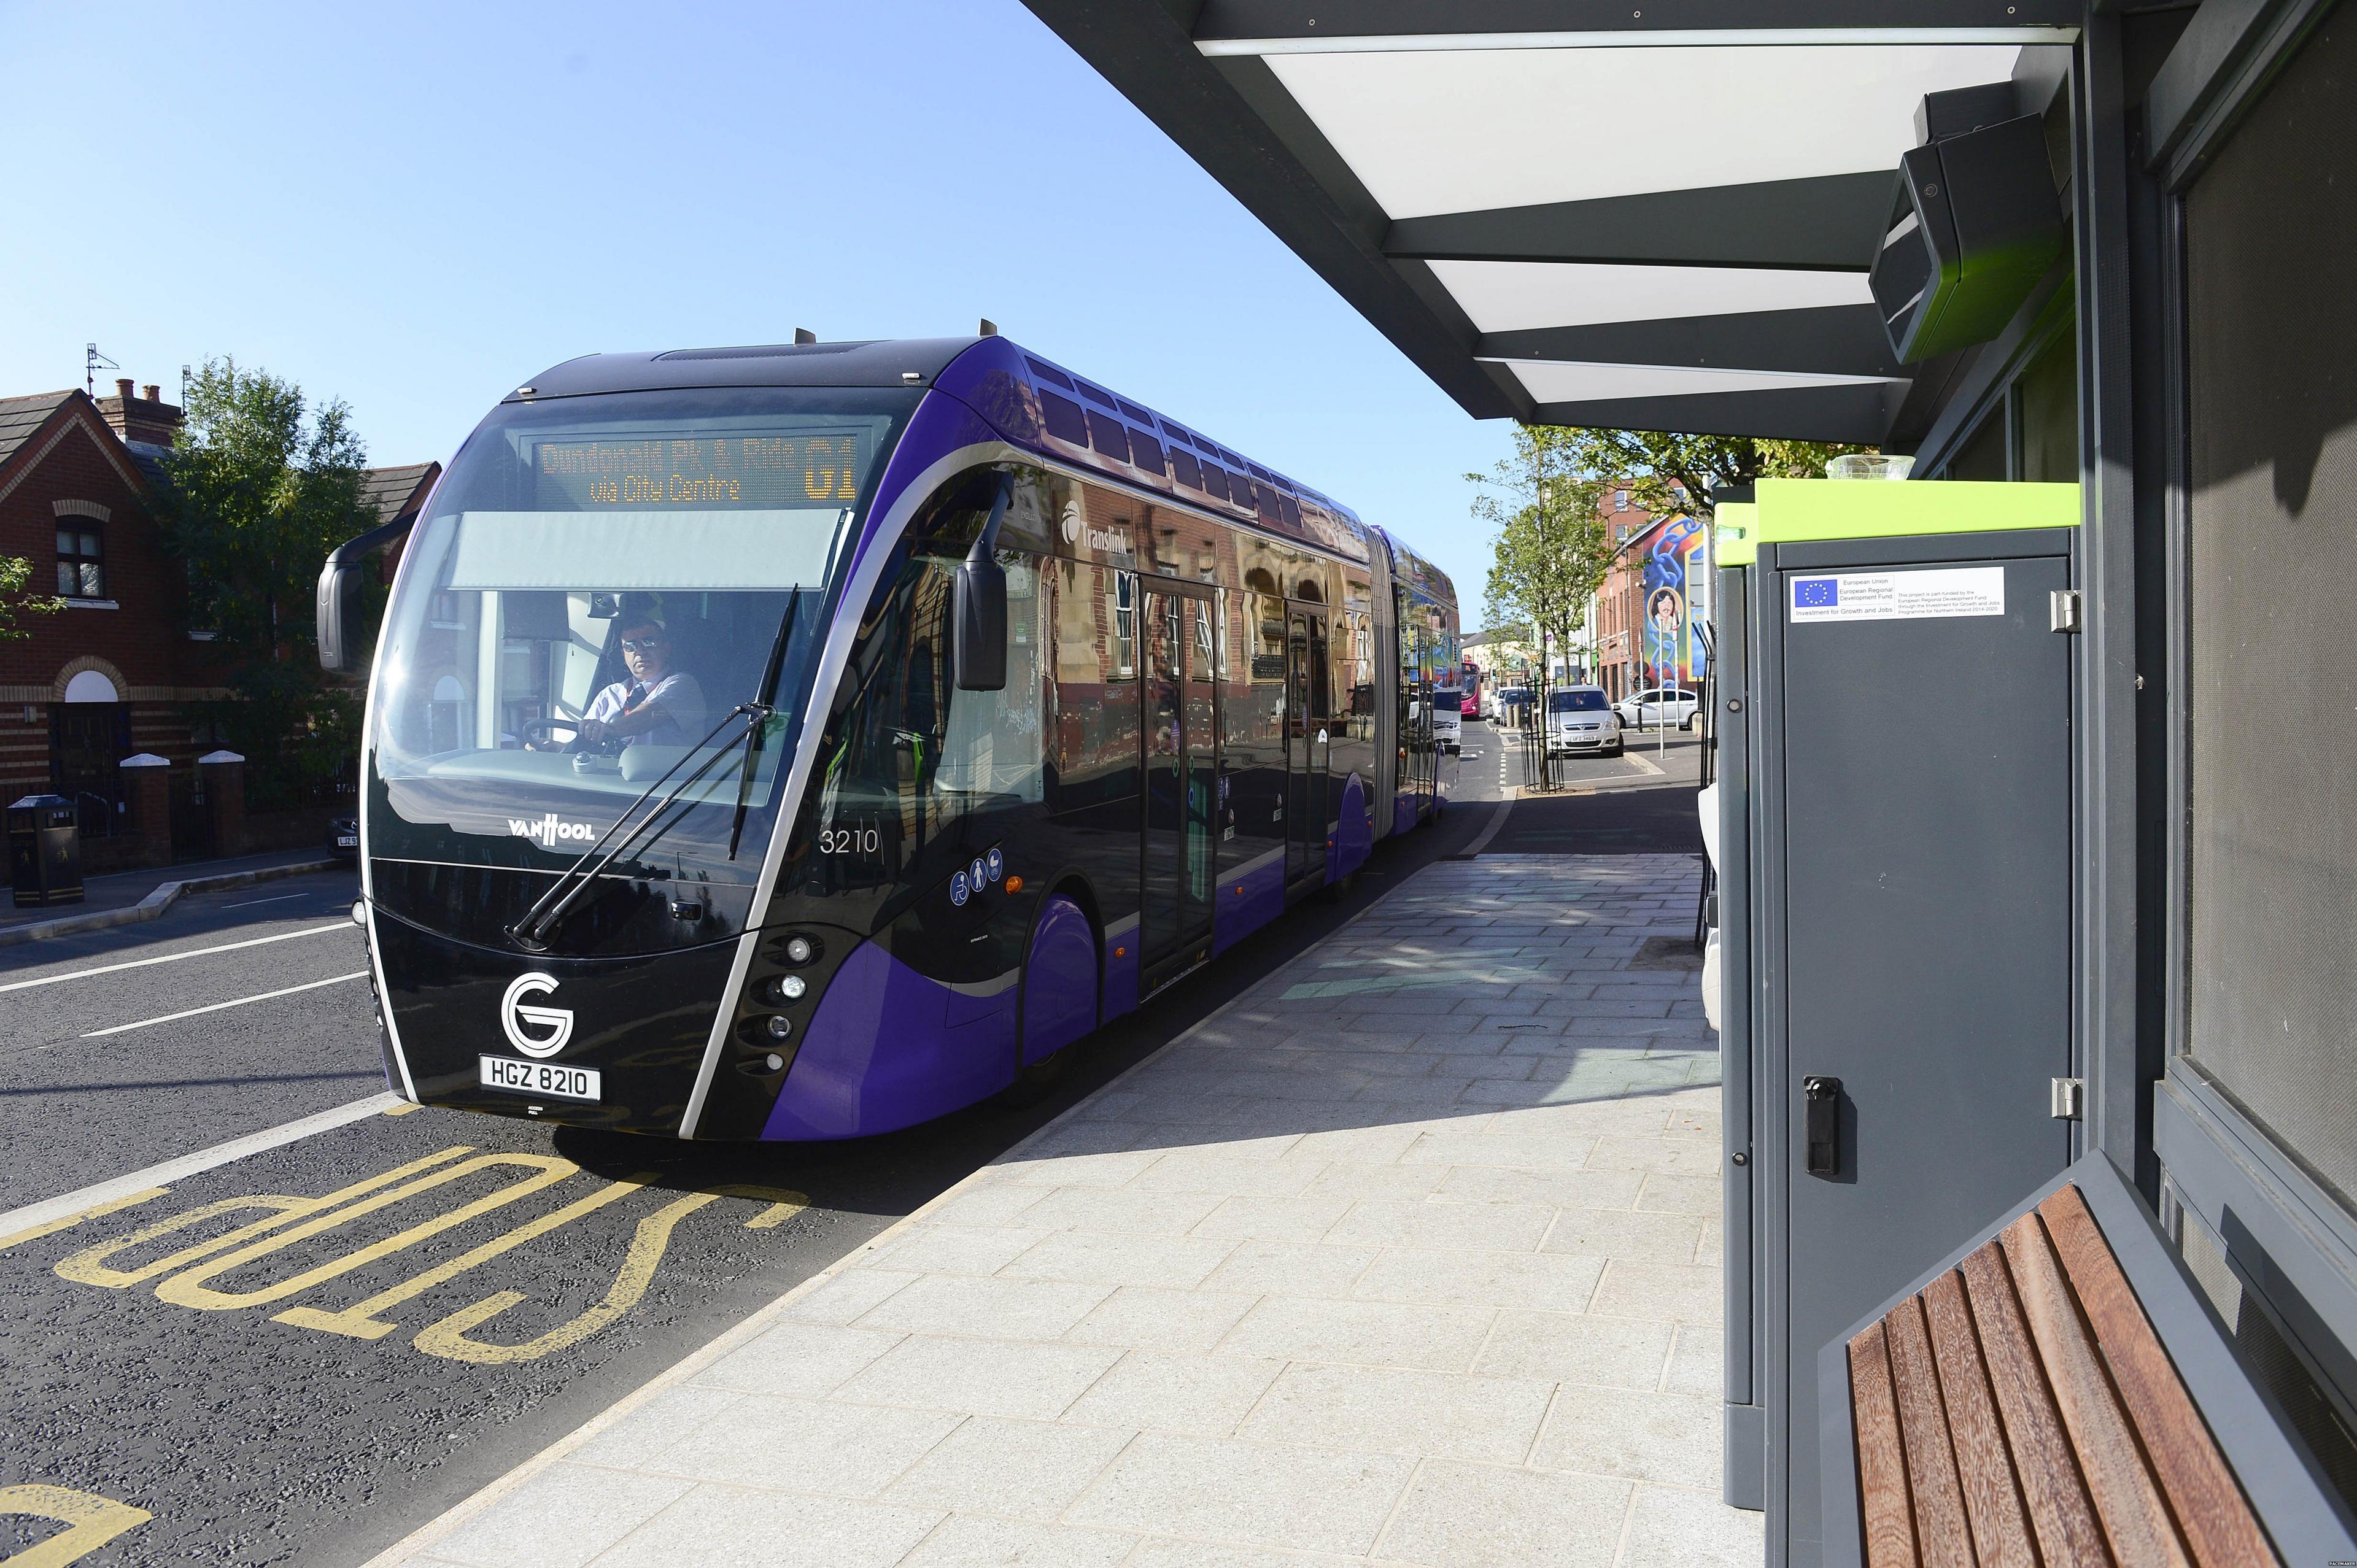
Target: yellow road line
(95, 1520)
(96, 1210)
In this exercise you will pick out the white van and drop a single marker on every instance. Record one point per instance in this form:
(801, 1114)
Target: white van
(1449, 719)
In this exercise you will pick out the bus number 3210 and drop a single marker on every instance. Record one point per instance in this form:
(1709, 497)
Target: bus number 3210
(861, 840)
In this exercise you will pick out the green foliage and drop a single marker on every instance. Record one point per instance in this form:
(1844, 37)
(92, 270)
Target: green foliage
(1552, 549)
(15, 573)
(1671, 474)
(261, 487)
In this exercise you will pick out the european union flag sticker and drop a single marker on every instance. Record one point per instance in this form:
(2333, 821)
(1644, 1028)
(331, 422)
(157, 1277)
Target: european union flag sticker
(1816, 592)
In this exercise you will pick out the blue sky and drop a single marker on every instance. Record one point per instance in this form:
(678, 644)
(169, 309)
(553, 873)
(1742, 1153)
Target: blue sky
(416, 207)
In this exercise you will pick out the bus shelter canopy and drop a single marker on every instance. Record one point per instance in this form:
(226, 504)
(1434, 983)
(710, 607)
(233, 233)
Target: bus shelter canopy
(1644, 216)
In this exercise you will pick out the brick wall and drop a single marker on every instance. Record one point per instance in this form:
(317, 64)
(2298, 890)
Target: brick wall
(139, 644)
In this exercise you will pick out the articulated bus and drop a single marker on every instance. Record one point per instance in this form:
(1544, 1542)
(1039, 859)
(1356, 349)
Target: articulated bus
(804, 742)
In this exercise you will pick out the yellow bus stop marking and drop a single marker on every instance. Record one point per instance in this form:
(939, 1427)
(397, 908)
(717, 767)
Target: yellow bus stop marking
(288, 1219)
(95, 1211)
(95, 1520)
(448, 1339)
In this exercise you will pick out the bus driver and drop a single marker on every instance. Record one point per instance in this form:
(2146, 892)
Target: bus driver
(658, 704)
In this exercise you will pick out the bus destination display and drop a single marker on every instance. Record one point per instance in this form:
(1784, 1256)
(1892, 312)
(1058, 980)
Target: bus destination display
(762, 469)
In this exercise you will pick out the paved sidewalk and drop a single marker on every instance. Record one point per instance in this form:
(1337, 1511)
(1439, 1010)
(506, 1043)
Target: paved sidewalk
(1409, 1256)
(125, 897)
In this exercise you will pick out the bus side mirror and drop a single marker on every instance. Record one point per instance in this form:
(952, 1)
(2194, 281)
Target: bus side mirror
(339, 621)
(978, 604)
(339, 616)
(978, 625)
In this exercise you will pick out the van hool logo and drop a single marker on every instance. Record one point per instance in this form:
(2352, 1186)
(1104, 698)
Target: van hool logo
(548, 832)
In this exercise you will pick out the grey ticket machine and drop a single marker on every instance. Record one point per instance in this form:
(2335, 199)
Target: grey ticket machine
(1894, 851)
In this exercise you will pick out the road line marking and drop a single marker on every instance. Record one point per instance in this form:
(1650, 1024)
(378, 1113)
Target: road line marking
(1645, 766)
(249, 903)
(243, 1001)
(1497, 821)
(176, 957)
(95, 1211)
(33, 1215)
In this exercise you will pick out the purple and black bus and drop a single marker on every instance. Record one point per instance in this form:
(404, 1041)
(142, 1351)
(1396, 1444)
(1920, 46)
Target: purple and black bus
(806, 741)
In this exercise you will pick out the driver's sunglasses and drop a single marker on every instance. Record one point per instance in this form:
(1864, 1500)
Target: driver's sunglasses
(645, 644)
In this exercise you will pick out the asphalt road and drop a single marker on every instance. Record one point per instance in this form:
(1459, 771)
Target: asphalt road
(305, 1353)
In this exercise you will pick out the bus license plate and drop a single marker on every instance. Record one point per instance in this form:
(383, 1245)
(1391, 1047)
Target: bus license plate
(540, 1078)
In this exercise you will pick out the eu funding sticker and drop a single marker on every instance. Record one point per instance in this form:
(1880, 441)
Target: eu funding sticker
(1941, 593)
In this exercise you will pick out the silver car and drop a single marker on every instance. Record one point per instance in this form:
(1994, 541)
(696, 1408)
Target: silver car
(1580, 718)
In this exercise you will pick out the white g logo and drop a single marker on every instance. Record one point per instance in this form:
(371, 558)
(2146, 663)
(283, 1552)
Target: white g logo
(1071, 523)
(515, 1014)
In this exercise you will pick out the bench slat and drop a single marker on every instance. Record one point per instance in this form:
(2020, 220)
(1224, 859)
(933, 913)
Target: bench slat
(2061, 1512)
(2128, 1499)
(2200, 1490)
(1943, 1539)
(1983, 1462)
(1881, 1456)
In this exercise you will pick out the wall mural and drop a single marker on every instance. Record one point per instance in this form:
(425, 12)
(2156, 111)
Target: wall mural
(1676, 603)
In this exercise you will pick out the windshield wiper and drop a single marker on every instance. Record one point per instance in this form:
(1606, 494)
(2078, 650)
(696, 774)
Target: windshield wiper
(769, 684)
(531, 932)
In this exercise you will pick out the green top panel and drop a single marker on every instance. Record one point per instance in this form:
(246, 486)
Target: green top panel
(1792, 509)
(1737, 542)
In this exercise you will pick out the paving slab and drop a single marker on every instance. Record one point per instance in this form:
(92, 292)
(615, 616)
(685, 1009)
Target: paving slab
(1306, 1287)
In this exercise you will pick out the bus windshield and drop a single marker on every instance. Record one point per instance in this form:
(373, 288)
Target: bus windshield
(597, 585)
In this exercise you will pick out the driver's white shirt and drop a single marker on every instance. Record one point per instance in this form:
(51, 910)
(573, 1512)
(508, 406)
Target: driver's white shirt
(681, 699)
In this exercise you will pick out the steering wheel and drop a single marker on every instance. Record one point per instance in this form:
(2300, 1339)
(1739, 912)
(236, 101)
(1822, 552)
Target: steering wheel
(536, 731)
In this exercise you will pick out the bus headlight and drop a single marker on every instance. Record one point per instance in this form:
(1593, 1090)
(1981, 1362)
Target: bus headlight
(801, 949)
(787, 988)
(779, 1028)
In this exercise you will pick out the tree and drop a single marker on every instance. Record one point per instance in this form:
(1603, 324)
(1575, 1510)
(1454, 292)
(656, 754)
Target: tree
(1551, 550)
(260, 488)
(15, 573)
(1667, 474)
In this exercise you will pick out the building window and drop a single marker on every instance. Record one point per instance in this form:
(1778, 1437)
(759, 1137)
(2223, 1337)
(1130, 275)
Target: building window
(1619, 501)
(81, 560)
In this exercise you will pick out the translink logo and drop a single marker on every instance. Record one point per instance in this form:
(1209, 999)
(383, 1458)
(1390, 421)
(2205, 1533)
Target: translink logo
(548, 830)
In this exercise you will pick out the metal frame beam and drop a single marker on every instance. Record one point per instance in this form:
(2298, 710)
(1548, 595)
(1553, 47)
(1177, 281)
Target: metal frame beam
(1831, 223)
(1463, 23)
(1832, 340)
(1857, 411)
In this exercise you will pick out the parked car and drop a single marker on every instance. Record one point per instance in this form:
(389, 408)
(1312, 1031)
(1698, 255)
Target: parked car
(1489, 703)
(344, 838)
(1580, 718)
(1658, 705)
(1514, 707)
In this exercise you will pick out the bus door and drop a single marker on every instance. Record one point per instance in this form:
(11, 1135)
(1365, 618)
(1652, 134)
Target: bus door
(1181, 723)
(1308, 743)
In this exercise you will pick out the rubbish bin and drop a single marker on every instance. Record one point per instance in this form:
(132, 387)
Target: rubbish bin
(44, 851)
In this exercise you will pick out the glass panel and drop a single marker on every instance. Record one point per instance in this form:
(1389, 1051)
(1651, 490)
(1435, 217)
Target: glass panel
(513, 727)
(2272, 822)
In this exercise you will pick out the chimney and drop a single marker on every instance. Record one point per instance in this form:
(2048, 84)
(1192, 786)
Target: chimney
(144, 421)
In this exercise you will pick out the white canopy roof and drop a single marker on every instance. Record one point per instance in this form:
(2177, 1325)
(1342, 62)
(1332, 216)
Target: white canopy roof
(1611, 223)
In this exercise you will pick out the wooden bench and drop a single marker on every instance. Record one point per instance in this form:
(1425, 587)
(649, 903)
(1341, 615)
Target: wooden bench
(2019, 1408)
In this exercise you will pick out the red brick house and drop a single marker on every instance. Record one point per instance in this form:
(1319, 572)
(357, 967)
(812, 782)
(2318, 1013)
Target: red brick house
(107, 677)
